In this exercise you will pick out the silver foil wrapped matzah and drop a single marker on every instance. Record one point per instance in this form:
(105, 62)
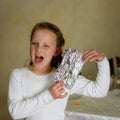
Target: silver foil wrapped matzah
(69, 68)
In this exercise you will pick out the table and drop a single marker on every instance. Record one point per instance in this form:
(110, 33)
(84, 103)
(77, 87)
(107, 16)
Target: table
(108, 106)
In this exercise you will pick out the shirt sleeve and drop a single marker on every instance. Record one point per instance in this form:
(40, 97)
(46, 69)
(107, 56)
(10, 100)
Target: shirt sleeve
(18, 106)
(97, 88)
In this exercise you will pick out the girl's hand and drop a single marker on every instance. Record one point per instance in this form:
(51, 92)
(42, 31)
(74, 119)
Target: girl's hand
(57, 90)
(92, 55)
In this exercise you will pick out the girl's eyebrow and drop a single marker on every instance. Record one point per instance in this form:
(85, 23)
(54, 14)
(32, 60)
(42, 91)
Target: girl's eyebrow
(33, 41)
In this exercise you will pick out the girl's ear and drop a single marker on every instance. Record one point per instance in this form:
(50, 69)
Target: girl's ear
(58, 51)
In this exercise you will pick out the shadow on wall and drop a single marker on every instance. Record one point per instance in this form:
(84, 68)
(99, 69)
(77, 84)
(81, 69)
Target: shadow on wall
(4, 114)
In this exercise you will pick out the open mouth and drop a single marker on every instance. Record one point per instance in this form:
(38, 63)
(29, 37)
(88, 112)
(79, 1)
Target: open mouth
(39, 59)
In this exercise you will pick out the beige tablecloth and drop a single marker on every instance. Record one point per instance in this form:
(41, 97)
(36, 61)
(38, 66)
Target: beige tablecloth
(70, 115)
(108, 106)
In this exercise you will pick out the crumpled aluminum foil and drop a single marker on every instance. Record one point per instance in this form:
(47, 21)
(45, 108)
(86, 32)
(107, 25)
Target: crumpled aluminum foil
(69, 68)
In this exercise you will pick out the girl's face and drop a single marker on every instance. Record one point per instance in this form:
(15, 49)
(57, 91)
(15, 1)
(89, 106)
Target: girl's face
(43, 48)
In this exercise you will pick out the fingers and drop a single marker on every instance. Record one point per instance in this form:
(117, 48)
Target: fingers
(89, 55)
(57, 90)
(63, 95)
(59, 84)
(92, 55)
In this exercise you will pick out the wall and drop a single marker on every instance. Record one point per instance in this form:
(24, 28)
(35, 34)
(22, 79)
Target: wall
(86, 24)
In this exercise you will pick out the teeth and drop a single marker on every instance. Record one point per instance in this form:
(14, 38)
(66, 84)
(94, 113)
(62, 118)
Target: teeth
(40, 57)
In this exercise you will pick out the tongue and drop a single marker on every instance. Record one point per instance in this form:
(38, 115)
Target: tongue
(39, 59)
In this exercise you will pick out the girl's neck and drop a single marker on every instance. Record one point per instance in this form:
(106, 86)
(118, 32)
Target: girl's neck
(40, 71)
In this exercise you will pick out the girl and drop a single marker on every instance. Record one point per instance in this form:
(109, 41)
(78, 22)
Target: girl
(33, 94)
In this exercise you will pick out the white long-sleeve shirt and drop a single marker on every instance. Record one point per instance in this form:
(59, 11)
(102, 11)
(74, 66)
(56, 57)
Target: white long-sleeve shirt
(30, 99)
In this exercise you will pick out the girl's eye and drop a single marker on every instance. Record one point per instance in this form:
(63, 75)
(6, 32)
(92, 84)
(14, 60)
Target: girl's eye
(46, 45)
(34, 43)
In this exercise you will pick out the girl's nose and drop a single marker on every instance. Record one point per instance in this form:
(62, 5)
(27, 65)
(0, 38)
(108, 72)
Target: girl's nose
(39, 48)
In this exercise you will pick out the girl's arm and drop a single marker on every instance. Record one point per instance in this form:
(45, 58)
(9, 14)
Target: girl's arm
(20, 107)
(100, 86)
